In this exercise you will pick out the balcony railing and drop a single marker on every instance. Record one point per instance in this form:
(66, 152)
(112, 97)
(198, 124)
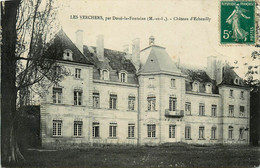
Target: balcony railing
(176, 113)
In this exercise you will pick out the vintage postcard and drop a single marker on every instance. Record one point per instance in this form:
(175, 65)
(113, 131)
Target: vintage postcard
(171, 83)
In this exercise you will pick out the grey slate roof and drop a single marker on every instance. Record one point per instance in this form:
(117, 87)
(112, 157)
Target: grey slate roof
(200, 75)
(229, 76)
(115, 60)
(61, 42)
(158, 60)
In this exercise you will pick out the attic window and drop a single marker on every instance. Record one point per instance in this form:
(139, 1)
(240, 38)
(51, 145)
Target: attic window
(123, 77)
(236, 81)
(195, 87)
(208, 88)
(104, 74)
(151, 60)
(67, 54)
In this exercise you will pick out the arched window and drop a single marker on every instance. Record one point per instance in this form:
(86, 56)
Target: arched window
(195, 86)
(208, 88)
(104, 74)
(67, 54)
(123, 76)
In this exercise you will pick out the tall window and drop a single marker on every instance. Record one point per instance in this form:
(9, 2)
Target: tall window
(78, 128)
(187, 132)
(104, 75)
(151, 130)
(242, 111)
(230, 132)
(172, 131)
(242, 94)
(172, 104)
(112, 130)
(78, 97)
(231, 93)
(231, 111)
(151, 103)
(123, 77)
(201, 109)
(56, 127)
(96, 100)
(201, 132)
(241, 133)
(131, 130)
(131, 103)
(188, 108)
(57, 95)
(95, 129)
(173, 83)
(213, 132)
(77, 73)
(112, 101)
(214, 110)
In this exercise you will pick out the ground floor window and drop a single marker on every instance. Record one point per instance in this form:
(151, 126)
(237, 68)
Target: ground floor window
(201, 132)
(78, 128)
(187, 132)
(56, 127)
(151, 130)
(112, 130)
(131, 130)
(172, 131)
(213, 132)
(241, 133)
(230, 132)
(95, 130)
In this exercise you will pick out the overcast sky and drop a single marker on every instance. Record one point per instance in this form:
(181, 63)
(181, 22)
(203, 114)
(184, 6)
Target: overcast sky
(192, 41)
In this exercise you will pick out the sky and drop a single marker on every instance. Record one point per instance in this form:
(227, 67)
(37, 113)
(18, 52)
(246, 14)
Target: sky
(191, 41)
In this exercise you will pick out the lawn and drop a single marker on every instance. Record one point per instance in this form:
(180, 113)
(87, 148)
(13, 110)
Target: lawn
(145, 156)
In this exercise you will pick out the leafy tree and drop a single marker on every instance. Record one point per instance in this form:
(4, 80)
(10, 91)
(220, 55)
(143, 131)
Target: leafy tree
(26, 27)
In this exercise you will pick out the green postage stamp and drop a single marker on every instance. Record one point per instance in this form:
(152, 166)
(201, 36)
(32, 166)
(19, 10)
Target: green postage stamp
(237, 22)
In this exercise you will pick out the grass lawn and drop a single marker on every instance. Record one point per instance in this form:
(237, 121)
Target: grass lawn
(144, 156)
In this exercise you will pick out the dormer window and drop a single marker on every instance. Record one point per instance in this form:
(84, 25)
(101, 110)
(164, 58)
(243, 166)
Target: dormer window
(123, 77)
(104, 74)
(208, 88)
(236, 81)
(195, 87)
(67, 54)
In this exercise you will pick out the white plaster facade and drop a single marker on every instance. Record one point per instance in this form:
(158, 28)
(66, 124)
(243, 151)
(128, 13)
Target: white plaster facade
(121, 122)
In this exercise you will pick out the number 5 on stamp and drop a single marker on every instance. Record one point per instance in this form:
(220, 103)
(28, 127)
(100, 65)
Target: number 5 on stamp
(237, 22)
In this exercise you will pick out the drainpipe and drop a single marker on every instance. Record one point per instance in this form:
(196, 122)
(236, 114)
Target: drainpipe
(138, 115)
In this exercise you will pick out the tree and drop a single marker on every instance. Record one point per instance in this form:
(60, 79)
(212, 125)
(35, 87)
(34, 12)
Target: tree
(25, 31)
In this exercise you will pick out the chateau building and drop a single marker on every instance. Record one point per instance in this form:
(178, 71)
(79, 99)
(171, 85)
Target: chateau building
(141, 97)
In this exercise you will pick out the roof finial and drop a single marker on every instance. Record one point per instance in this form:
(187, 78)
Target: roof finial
(151, 40)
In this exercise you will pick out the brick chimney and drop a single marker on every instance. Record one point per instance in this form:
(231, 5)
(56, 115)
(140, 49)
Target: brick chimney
(215, 66)
(136, 52)
(100, 47)
(79, 40)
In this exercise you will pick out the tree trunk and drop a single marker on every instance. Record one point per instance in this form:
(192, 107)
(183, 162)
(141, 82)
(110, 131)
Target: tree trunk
(10, 150)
